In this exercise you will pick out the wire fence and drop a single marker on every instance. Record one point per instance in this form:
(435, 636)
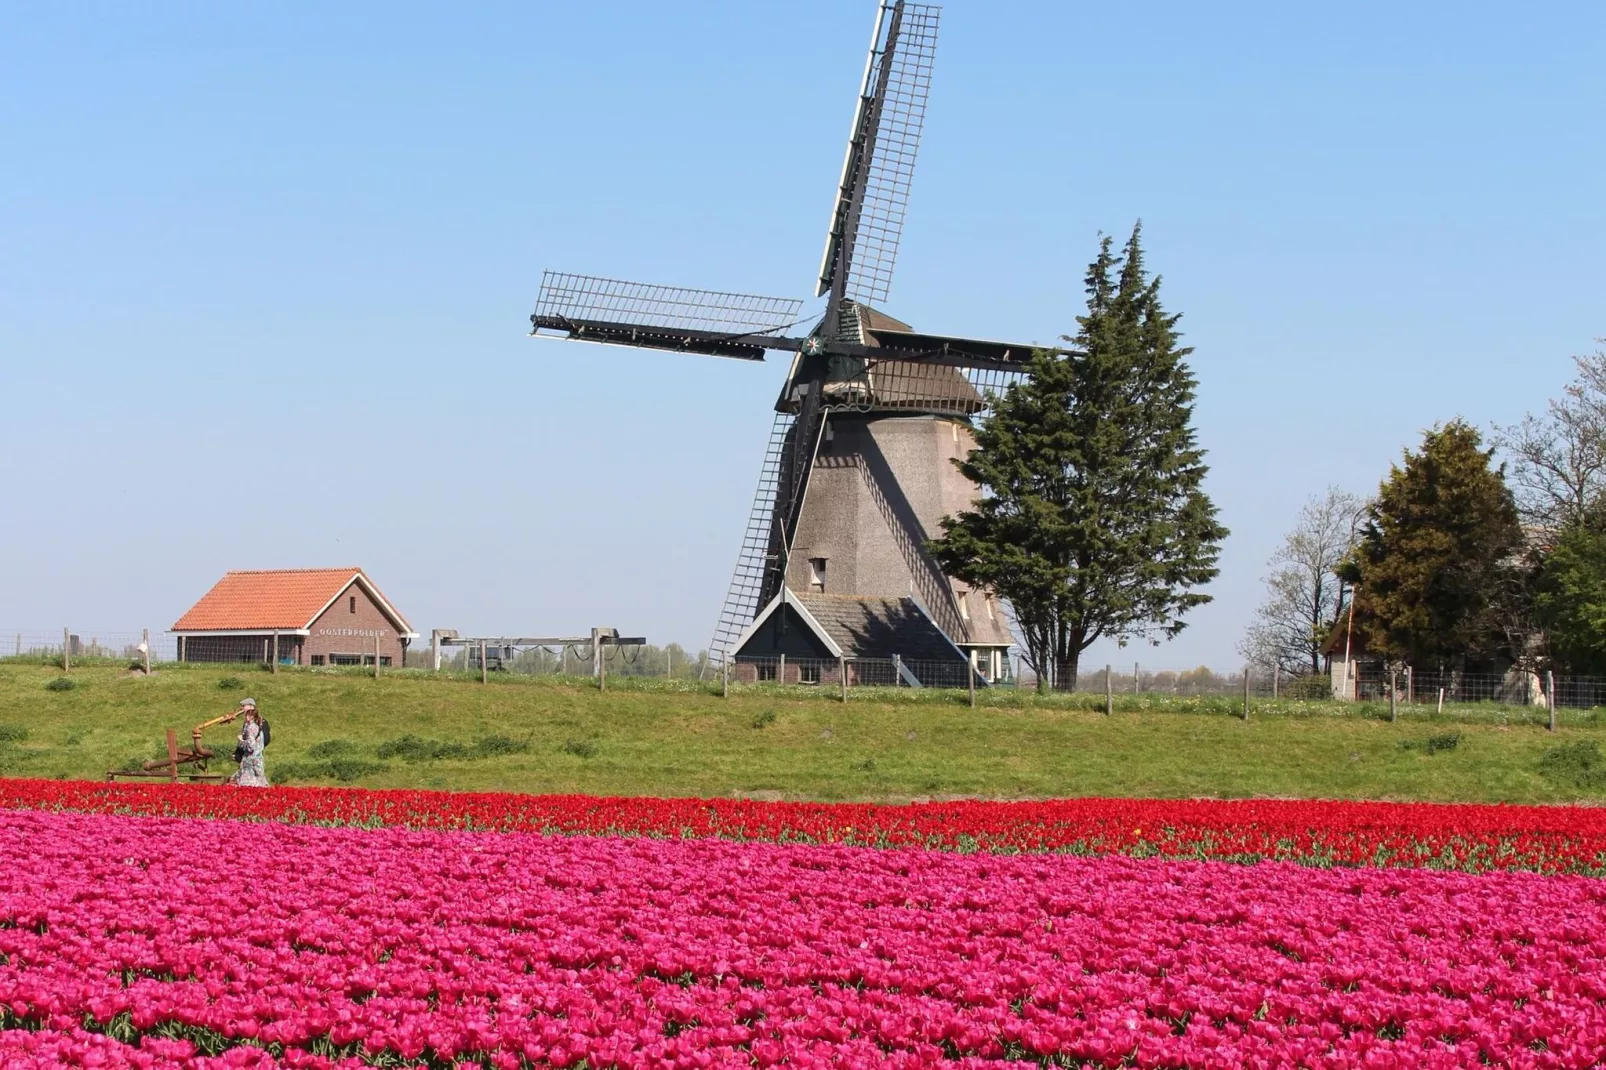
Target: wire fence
(1366, 682)
(84, 648)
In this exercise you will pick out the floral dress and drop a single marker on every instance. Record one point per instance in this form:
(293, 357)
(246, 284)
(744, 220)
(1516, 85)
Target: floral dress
(251, 773)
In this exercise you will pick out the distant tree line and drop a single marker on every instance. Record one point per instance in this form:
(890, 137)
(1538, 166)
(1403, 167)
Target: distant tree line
(1469, 556)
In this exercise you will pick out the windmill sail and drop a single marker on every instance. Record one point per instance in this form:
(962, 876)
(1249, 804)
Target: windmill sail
(861, 247)
(593, 309)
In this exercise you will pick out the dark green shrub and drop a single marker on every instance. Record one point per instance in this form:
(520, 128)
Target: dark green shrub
(12, 733)
(343, 769)
(492, 746)
(1312, 686)
(230, 683)
(61, 683)
(1442, 741)
(580, 748)
(349, 769)
(410, 748)
(866, 766)
(1579, 763)
(763, 719)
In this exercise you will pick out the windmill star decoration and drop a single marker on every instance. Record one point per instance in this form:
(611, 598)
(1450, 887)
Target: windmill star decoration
(858, 471)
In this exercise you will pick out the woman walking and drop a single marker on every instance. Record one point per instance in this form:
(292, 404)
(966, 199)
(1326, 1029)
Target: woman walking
(252, 773)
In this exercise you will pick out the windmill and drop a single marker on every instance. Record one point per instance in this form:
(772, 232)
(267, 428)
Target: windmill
(858, 470)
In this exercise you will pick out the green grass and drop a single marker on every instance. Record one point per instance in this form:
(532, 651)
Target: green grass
(546, 734)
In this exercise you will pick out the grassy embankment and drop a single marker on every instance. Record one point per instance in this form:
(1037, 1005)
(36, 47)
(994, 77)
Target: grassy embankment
(544, 734)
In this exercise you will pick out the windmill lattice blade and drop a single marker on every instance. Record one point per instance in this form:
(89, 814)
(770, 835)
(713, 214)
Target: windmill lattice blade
(753, 559)
(589, 299)
(892, 166)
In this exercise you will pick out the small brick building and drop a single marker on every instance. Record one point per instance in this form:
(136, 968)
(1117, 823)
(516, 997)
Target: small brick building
(314, 616)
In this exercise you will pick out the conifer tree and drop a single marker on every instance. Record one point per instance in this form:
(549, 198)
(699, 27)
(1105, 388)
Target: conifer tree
(1092, 522)
(1434, 566)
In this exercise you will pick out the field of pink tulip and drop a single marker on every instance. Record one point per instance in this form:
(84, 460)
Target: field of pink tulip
(161, 941)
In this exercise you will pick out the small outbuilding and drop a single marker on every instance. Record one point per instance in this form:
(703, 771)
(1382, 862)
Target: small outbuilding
(810, 638)
(297, 616)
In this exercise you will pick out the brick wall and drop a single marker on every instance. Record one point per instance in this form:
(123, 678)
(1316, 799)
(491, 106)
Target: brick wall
(349, 627)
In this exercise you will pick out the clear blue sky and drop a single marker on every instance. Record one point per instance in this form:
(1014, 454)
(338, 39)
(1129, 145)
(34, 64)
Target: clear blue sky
(267, 269)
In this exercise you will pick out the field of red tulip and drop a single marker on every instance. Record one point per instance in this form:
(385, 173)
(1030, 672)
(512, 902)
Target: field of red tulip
(348, 929)
(1470, 838)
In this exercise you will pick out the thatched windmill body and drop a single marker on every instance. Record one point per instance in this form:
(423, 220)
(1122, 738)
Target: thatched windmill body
(859, 467)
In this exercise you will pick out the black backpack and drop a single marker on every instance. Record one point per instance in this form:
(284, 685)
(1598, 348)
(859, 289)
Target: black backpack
(267, 735)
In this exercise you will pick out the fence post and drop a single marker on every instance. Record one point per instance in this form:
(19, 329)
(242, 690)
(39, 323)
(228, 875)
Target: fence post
(376, 655)
(435, 649)
(1276, 678)
(842, 666)
(483, 678)
(1441, 700)
(970, 676)
(1410, 686)
(1246, 692)
(725, 676)
(1109, 693)
(145, 643)
(172, 755)
(897, 670)
(1135, 677)
(1394, 695)
(66, 650)
(780, 671)
(602, 667)
(275, 667)
(1550, 687)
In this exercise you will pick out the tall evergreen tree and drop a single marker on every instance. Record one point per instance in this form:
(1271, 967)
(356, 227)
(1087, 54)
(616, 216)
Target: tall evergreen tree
(1435, 566)
(1092, 521)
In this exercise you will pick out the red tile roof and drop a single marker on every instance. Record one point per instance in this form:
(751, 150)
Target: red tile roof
(288, 599)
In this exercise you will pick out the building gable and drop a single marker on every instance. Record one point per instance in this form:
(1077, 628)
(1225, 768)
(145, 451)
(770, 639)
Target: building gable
(784, 631)
(351, 622)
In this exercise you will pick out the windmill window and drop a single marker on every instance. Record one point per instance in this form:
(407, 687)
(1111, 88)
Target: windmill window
(964, 605)
(990, 611)
(817, 574)
(808, 673)
(352, 604)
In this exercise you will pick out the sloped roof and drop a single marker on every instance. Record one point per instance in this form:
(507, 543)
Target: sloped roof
(1334, 646)
(287, 599)
(910, 384)
(878, 627)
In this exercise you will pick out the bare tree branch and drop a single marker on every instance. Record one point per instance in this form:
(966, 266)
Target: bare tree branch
(1558, 461)
(1302, 592)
